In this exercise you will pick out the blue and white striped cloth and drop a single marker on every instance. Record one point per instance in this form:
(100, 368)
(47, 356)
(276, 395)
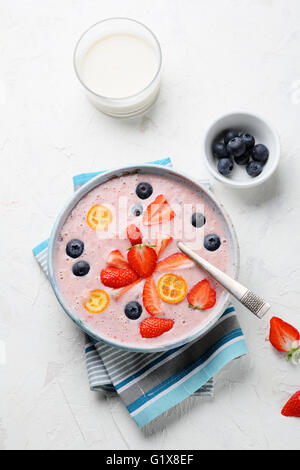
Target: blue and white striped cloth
(150, 384)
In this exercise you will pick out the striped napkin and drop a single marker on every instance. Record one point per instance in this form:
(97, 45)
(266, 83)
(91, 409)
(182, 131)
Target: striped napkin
(150, 384)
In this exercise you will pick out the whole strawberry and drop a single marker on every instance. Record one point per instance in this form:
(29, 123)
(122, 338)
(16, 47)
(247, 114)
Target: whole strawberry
(292, 407)
(284, 337)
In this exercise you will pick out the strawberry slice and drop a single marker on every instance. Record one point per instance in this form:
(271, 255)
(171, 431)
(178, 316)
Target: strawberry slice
(175, 261)
(158, 211)
(134, 235)
(292, 407)
(202, 296)
(117, 260)
(142, 258)
(161, 242)
(153, 327)
(116, 277)
(151, 299)
(284, 337)
(117, 293)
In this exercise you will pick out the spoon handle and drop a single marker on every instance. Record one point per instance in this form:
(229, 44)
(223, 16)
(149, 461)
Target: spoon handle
(253, 302)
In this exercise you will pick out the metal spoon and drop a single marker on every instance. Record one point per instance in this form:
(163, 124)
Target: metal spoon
(250, 300)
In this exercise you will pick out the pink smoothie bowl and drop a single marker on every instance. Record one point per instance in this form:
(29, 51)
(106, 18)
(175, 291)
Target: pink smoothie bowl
(218, 209)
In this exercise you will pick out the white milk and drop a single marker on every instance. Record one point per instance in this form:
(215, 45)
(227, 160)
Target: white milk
(119, 65)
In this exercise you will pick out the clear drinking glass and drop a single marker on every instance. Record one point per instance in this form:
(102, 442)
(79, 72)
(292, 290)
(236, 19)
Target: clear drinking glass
(129, 105)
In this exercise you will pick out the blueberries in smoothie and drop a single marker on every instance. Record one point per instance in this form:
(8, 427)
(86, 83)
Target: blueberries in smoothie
(231, 134)
(225, 166)
(236, 147)
(212, 242)
(260, 154)
(254, 169)
(133, 310)
(137, 210)
(198, 220)
(249, 140)
(75, 248)
(144, 190)
(81, 268)
(220, 150)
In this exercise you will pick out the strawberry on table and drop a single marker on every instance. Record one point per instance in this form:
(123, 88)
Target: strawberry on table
(117, 277)
(134, 235)
(202, 296)
(142, 258)
(151, 298)
(292, 407)
(158, 211)
(284, 337)
(153, 327)
(117, 260)
(161, 242)
(175, 261)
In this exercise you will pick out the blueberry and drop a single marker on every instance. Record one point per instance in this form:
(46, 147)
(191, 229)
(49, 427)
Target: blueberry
(236, 147)
(212, 242)
(244, 159)
(144, 190)
(219, 150)
(231, 134)
(133, 310)
(137, 210)
(254, 169)
(225, 166)
(198, 220)
(81, 268)
(260, 154)
(248, 140)
(75, 248)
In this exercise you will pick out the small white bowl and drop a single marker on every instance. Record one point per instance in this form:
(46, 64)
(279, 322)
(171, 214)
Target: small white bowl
(263, 132)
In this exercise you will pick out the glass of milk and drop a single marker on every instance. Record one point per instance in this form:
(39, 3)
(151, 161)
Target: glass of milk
(118, 62)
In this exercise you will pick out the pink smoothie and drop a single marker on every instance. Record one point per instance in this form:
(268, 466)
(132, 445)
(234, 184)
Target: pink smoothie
(112, 323)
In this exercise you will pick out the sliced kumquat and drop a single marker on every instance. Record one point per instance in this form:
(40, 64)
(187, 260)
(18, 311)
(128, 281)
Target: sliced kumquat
(172, 288)
(98, 301)
(99, 217)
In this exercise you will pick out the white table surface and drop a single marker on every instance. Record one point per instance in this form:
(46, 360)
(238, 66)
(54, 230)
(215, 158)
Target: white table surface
(219, 56)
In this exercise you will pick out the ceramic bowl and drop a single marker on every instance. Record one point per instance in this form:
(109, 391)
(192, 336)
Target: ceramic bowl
(253, 124)
(177, 177)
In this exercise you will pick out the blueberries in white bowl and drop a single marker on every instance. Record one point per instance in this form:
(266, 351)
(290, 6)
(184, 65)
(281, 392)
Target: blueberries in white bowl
(254, 169)
(225, 166)
(248, 140)
(241, 149)
(260, 154)
(243, 159)
(220, 150)
(229, 135)
(236, 147)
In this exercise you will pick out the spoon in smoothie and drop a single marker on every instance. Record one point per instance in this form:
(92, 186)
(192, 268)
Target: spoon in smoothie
(253, 302)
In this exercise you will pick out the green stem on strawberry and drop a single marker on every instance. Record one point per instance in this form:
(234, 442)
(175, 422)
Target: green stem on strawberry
(294, 355)
(141, 245)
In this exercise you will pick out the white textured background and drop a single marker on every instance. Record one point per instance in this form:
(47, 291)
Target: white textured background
(219, 55)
